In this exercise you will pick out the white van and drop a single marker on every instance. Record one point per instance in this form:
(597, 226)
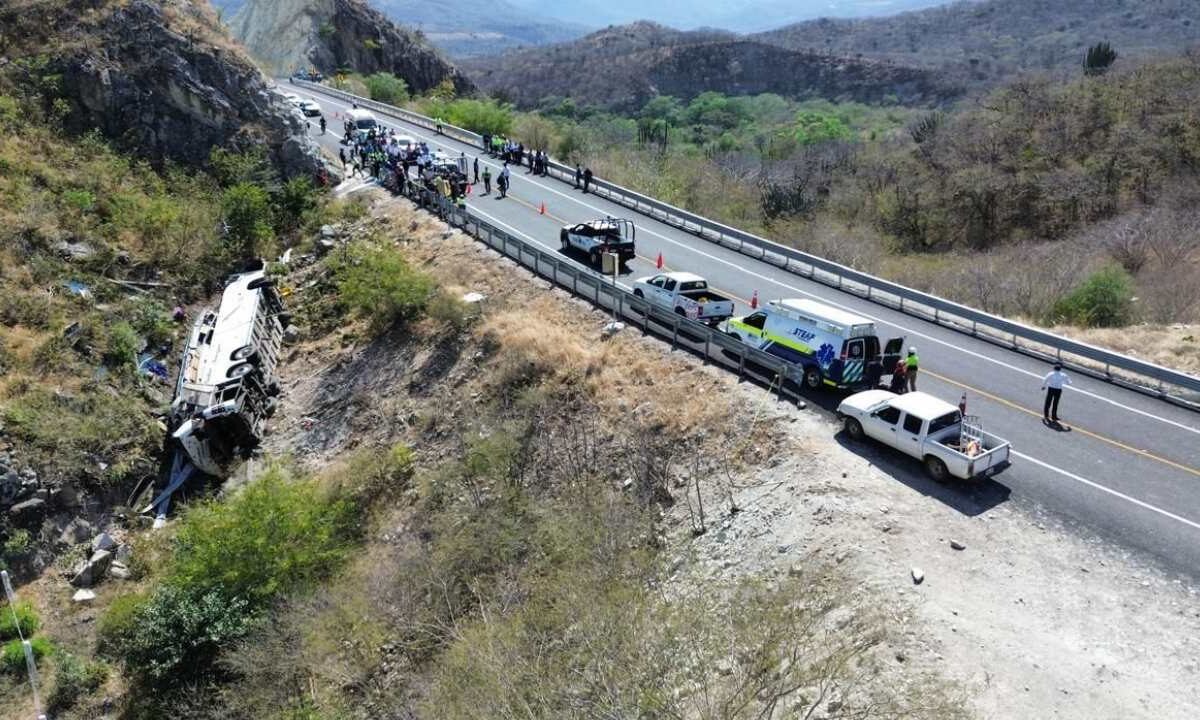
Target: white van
(363, 121)
(837, 349)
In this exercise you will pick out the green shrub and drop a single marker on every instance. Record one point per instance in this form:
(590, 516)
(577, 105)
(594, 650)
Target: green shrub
(377, 283)
(481, 116)
(1105, 299)
(294, 201)
(25, 615)
(175, 634)
(247, 210)
(277, 535)
(150, 318)
(74, 678)
(18, 544)
(122, 347)
(12, 655)
(387, 88)
(118, 621)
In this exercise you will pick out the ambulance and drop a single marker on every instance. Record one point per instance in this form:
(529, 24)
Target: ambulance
(837, 349)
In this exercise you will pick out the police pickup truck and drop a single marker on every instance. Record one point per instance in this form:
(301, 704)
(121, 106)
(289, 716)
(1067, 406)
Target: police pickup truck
(931, 430)
(687, 294)
(598, 237)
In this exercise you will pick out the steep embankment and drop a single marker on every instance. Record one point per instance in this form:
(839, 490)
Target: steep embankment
(622, 67)
(287, 35)
(160, 76)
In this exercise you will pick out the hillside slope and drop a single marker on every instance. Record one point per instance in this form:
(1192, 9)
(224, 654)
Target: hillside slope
(986, 41)
(159, 75)
(287, 35)
(622, 67)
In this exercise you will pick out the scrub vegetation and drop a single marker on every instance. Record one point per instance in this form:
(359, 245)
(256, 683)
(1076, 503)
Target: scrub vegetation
(1064, 178)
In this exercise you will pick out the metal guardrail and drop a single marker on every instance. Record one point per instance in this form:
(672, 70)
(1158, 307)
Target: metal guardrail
(1171, 385)
(711, 344)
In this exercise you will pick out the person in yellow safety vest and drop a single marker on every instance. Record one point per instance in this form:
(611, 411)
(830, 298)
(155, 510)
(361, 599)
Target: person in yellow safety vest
(910, 368)
(442, 185)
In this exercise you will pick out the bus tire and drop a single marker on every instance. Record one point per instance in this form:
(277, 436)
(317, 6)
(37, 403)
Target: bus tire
(812, 378)
(936, 469)
(853, 429)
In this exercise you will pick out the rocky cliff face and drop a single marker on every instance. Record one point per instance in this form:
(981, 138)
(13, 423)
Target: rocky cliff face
(288, 35)
(160, 76)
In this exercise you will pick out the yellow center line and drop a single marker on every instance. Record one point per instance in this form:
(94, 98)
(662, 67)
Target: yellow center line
(943, 378)
(1075, 428)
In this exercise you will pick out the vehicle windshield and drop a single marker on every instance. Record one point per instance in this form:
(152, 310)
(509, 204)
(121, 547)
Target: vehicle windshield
(365, 123)
(950, 419)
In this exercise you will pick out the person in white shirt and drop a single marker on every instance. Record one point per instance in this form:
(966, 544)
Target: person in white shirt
(1053, 385)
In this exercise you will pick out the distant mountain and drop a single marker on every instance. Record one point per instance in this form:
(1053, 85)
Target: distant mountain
(737, 15)
(290, 35)
(465, 27)
(622, 67)
(986, 41)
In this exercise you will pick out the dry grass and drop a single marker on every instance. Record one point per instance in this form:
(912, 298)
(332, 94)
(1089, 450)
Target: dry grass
(1173, 346)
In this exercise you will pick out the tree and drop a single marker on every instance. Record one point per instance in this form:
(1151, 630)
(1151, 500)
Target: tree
(1099, 58)
(247, 213)
(387, 88)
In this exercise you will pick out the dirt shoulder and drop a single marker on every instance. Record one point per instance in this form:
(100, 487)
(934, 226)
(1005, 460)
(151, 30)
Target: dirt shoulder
(1035, 620)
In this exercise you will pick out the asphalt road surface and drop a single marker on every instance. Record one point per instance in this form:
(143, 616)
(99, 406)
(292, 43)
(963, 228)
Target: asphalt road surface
(1126, 467)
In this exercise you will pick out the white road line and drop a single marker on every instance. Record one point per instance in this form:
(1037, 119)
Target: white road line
(1030, 458)
(1110, 491)
(824, 299)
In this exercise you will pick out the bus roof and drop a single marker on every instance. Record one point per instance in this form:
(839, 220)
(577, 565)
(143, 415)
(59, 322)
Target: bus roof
(816, 310)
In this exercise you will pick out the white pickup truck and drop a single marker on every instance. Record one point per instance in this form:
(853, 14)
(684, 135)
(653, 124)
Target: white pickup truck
(929, 429)
(686, 294)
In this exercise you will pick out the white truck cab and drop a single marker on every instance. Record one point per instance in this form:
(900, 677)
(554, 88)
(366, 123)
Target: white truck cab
(927, 428)
(685, 294)
(837, 349)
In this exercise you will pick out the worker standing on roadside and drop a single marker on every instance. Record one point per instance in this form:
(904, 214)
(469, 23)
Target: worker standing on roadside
(1053, 385)
(322, 124)
(911, 364)
(505, 175)
(899, 381)
(587, 179)
(476, 182)
(487, 181)
(578, 176)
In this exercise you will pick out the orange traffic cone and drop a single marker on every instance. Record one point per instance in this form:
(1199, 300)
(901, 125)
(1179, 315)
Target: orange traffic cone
(659, 263)
(542, 209)
(754, 301)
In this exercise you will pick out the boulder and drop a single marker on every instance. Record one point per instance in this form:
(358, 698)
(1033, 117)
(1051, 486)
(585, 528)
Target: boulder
(83, 596)
(76, 531)
(119, 571)
(93, 570)
(291, 334)
(28, 512)
(103, 541)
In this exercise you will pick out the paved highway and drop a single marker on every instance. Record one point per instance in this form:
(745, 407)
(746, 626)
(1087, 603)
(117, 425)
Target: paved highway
(1128, 470)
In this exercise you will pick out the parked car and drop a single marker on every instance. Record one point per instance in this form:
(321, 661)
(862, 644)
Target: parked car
(598, 237)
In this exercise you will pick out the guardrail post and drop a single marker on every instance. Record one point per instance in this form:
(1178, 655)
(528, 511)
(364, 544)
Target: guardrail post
(742, 364)
(675, 334)
(707, 344)
(974, 327)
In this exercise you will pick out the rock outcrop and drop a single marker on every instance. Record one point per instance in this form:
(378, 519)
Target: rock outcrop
(331, 35)
(158, 76)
